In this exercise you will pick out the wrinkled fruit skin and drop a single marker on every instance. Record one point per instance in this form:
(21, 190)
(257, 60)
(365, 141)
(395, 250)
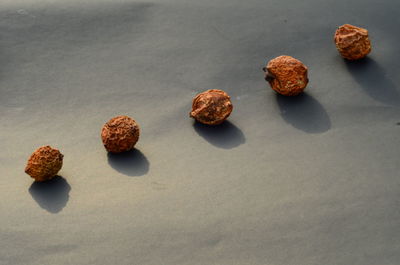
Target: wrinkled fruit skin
(211, 107)
(352, 42)
(120, 134)
(286, 75)
(44, 163)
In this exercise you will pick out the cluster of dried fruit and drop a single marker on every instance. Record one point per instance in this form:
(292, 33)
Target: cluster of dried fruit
(285, 74)
(288, 76)
(120, 134)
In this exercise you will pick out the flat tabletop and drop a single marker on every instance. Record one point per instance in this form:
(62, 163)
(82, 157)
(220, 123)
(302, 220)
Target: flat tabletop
(307, 180)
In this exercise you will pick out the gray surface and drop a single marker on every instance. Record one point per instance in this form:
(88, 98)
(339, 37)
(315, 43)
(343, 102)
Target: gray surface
(305, 181)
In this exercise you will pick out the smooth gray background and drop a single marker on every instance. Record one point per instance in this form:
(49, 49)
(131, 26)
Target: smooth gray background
(309, 180)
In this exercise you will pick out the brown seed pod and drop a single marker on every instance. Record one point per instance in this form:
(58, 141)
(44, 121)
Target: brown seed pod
(44, 163)
(211, 107)
(120, 134)
(352, 42)
(286, 75)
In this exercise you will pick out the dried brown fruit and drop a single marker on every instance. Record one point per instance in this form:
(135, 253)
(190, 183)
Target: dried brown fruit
(120, 134)
(352, 42)
(211, 107)
(44, 163)
(286, 75)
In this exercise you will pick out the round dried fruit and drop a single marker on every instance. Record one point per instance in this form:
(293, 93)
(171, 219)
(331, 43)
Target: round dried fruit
(286, 75)
(120, 134)
(44, 163)
(211, 107)
(352, 42)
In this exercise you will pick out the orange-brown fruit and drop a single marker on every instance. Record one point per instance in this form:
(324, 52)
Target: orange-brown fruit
(120, 134)
(352, 42)
(286, 75)
(211, 107)
(44, 163)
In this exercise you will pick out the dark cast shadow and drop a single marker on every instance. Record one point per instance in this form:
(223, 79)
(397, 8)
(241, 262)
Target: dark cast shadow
(131, 163)
(374, 81)
(51, 195)
(304, 113)
(225, 135)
